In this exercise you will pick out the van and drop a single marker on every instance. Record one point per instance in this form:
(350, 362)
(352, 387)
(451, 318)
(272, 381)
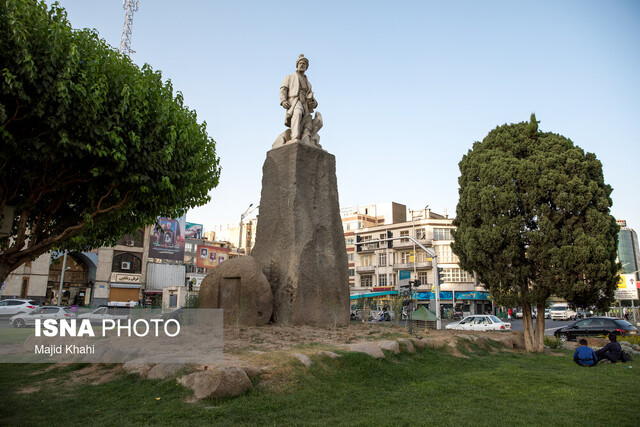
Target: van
(562, 311)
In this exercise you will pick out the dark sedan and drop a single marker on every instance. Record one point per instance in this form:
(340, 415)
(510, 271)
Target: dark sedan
(595, 326)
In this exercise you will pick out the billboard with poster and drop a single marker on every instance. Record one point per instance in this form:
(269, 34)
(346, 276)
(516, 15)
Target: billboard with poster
(211, 256)
(167, 239)
(193, 231)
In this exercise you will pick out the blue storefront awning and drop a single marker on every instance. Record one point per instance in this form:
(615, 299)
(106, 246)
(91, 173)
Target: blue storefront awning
(373, 294)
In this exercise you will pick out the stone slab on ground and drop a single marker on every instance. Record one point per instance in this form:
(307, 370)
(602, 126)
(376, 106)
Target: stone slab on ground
(372, 349)
(222, 382)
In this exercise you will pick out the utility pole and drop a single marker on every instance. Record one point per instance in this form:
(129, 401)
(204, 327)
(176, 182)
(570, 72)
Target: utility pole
(64, 267)
(130, 6)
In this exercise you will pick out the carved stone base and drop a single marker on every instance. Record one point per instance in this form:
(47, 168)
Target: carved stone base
(299, 241)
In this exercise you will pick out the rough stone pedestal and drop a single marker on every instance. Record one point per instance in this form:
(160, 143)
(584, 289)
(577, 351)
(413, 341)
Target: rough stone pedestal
(299, 241)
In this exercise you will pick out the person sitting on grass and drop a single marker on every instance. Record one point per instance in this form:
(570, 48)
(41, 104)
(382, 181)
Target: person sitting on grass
(612, 351)
(584, 355)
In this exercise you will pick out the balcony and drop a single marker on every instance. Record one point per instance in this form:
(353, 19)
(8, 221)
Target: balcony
(365, 269)
(409, 266)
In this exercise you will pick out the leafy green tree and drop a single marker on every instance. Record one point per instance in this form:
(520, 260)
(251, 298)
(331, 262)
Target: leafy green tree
(93, 146)
(533, 221)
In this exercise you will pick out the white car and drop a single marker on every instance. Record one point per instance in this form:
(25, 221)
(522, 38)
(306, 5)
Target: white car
(99, 314)
(563, 312)
(480, 322)
(47, 312)
(11, 307)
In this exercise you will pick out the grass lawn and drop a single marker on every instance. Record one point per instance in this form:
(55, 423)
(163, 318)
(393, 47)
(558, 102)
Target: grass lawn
(429, 387)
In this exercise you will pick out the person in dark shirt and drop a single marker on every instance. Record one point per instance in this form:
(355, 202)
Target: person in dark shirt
(612, 351)
(584, 355)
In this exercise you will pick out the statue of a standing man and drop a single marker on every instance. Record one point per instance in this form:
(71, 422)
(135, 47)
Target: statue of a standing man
(297, 98)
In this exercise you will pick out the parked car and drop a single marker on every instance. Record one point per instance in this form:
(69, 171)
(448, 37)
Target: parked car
(11, 307)
(48, 312)
(595, 326)
(563, 312)
(519, 314)
(480, 322)
(583, 314)
(547, 313)
(101, 313)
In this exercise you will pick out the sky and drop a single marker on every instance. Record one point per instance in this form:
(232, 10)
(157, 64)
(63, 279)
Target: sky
(404, 87)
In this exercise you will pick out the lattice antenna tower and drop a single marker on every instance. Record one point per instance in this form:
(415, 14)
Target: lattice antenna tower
(129, 6)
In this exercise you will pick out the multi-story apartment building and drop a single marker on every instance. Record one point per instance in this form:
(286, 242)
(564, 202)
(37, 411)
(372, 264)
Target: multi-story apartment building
(385, 266)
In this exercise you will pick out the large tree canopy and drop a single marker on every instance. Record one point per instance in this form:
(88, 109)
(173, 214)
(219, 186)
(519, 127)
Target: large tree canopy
(93, 147)
(533, 221)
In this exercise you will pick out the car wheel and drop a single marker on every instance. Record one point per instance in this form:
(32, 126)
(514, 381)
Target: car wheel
(18, 323)
(563, 337)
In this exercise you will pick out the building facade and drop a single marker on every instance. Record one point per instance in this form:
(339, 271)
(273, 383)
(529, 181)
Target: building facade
(387, 266)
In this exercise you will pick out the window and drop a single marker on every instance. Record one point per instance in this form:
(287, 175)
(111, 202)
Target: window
(422, 276)
(456, 275)
(442, 234)
(392, 279)
(350, 241)
(173, 300)
(445, 254)
(404, 234)
(405, 257)
(365, 260)
(421, 234)
(188, 247)
(352, 272)
(382, 280)
(366, 281)
(351, 256)
(421, 256)
(382, 259)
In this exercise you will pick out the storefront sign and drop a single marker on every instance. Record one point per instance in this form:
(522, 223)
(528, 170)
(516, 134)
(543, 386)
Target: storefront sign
(447, 295)
(125, 278)
(382, 288)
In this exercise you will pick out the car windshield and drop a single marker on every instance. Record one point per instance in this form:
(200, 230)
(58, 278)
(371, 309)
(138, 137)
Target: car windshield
(67, 310)
(559, 308)
(624, 324)
(495, 319)
(38, 311)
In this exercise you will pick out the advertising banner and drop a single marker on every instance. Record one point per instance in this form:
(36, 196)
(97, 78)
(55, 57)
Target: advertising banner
(167, 239)
(403, 278)
(211, 256)
(193, 231)
(627, 288)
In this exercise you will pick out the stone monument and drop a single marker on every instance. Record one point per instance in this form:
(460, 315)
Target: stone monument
(299, 241)
(239, 287)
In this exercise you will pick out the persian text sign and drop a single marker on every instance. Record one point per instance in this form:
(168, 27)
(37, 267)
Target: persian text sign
(627, 288)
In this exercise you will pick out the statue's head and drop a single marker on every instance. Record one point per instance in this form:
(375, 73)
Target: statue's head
(302, 62)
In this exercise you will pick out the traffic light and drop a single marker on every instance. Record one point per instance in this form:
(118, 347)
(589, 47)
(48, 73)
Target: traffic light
(440, 275)
(358, 244)
(390, 242)
(191, 283)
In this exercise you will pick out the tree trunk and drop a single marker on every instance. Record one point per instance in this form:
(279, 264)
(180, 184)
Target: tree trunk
(533, 333)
